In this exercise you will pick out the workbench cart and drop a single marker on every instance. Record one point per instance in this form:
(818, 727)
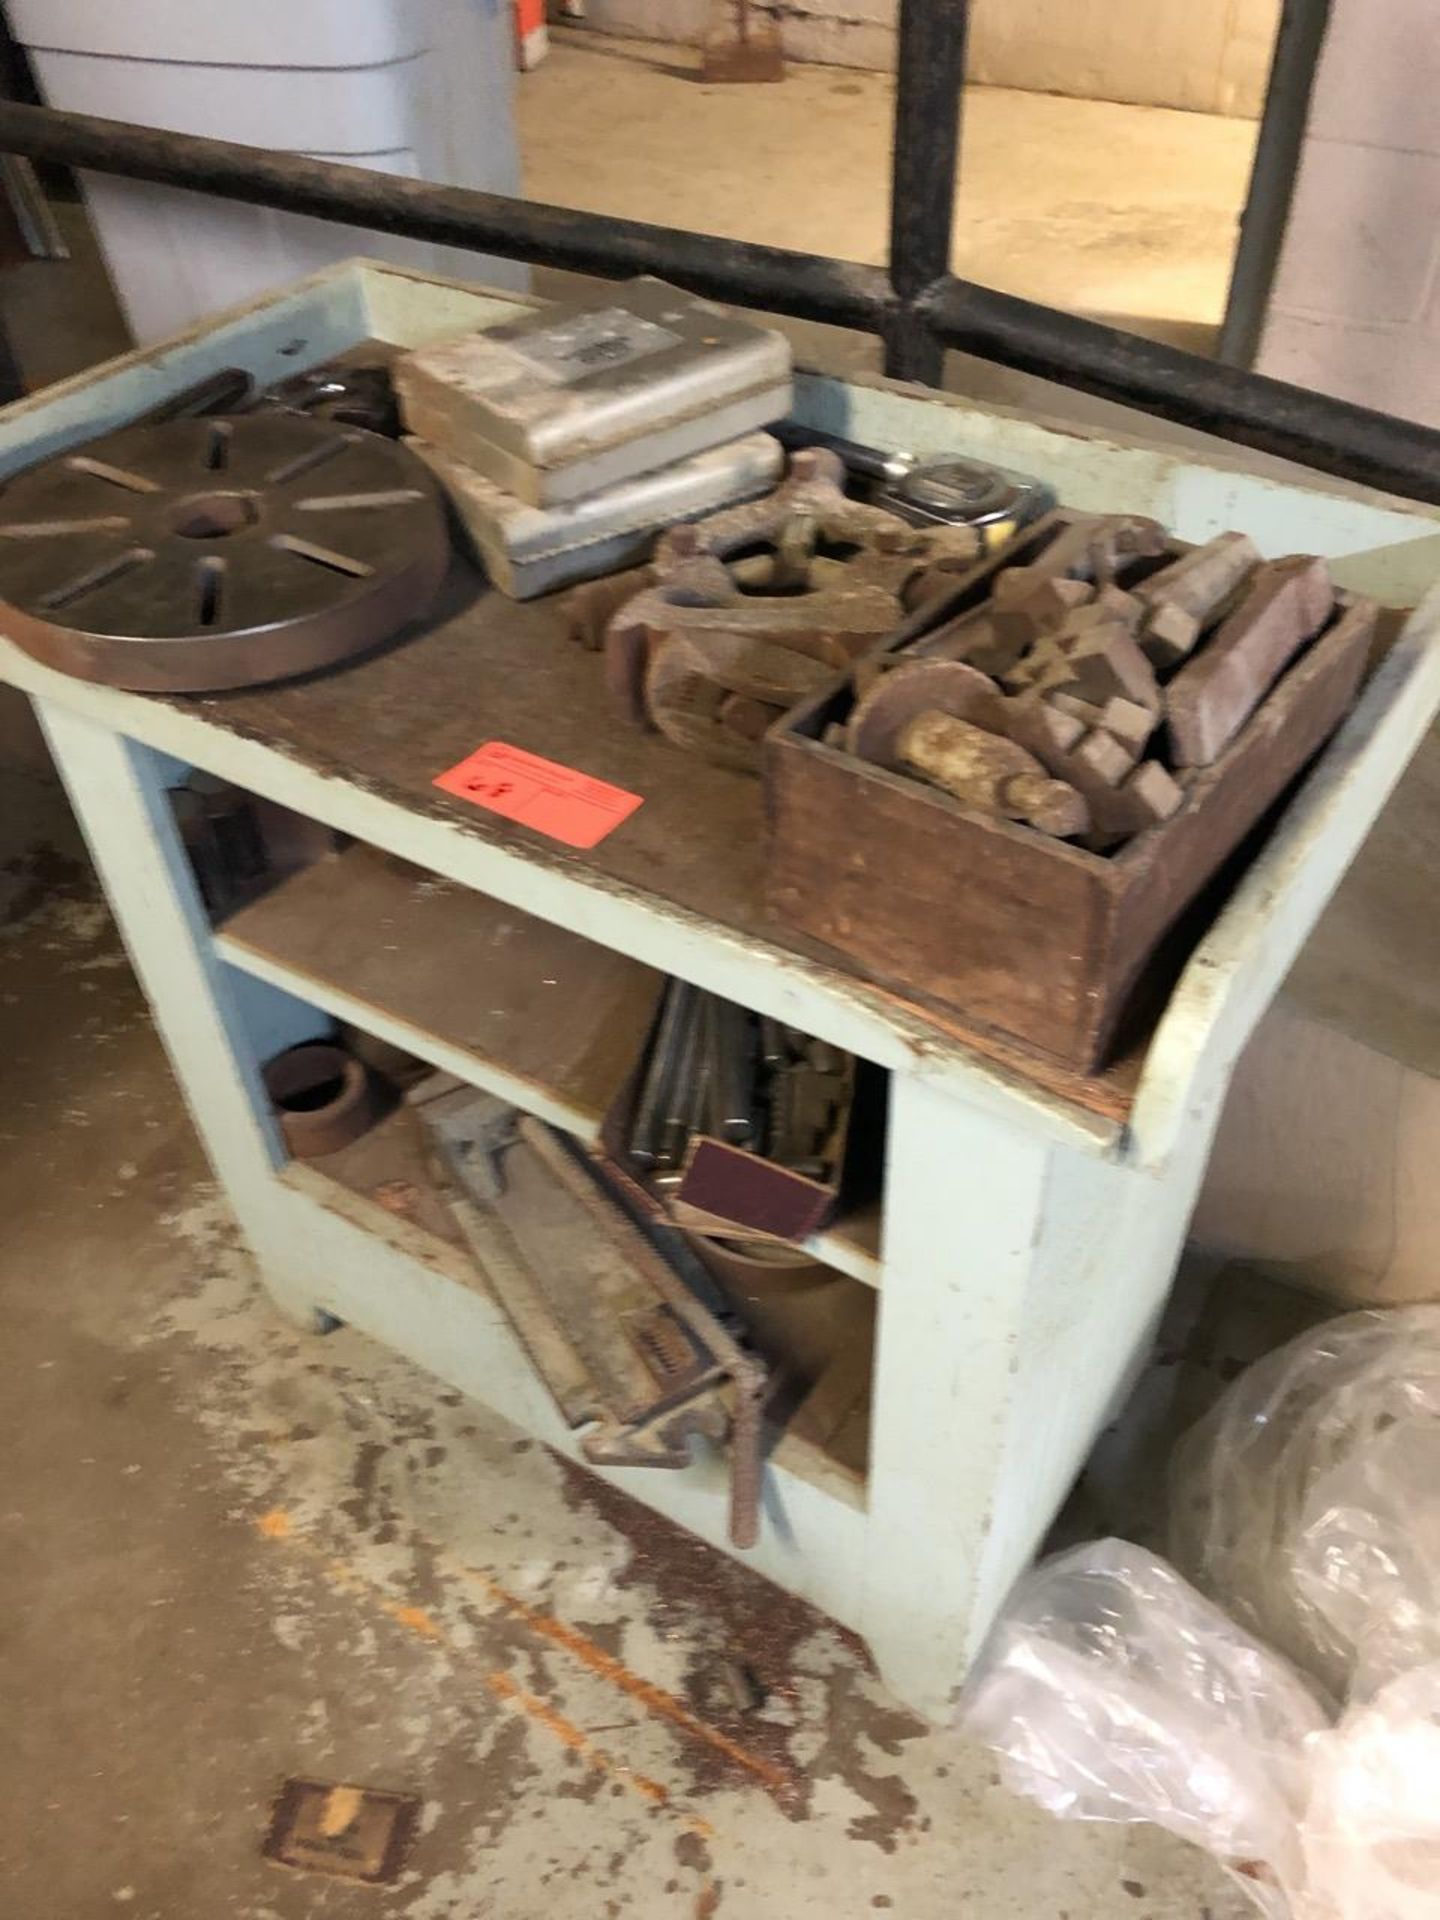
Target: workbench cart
(1030, 1222)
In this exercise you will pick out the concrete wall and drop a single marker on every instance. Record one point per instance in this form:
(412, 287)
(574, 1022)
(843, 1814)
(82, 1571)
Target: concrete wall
(1355, 309)
(1211, 56)
(1324, 1168)
(1323, 1173)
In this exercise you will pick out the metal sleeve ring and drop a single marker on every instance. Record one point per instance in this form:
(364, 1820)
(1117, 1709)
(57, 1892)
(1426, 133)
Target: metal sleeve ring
(294, 1077)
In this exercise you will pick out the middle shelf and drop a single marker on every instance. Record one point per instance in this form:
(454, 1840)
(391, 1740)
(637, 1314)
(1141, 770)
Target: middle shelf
(537, 1015)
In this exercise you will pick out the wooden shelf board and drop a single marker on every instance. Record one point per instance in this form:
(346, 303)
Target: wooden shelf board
(529, 1011)
(387, 1168)
(852, 1244)
(382, 1183)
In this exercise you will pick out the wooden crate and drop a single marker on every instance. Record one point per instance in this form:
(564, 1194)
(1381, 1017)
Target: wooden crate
(1010, 928)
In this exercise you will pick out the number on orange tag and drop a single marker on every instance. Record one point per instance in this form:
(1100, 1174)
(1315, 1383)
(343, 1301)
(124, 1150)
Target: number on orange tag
(567, 805)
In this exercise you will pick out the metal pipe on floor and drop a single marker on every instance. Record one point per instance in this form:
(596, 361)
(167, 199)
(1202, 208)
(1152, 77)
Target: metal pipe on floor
(1332, 436)
(929, 82)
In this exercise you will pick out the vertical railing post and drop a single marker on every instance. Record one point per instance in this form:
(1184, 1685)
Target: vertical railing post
(1293, 67)
(929, 77)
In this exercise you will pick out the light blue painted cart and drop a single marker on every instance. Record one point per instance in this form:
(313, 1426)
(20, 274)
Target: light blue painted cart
(1028, 1235)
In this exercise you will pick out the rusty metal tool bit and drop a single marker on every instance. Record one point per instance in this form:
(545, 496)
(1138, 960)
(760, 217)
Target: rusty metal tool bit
(1214, 694)
(990, 773)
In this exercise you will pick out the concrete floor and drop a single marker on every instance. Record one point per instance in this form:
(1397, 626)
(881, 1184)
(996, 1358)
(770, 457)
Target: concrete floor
(231, 1553)
(1124, 213)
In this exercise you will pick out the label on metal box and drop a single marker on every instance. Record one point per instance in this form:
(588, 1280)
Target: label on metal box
(591, 343)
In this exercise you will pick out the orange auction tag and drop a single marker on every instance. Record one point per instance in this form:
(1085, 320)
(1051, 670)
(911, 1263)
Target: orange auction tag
(559, 801)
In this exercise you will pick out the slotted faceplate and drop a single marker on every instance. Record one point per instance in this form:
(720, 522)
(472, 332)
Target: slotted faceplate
(201, 554)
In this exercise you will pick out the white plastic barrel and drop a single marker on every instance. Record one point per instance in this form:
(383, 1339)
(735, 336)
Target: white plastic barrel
(419, 87)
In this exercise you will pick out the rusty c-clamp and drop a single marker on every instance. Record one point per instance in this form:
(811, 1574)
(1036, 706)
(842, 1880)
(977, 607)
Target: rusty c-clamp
(754, 607)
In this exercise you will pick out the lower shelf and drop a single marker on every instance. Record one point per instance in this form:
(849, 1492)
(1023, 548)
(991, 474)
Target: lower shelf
(536, 1014)
(381, 1183)
(408, 1291)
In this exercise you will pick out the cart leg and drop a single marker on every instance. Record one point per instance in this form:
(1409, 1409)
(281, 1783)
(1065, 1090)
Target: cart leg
(964, 1203)
(1021, 1282)
(117, 789)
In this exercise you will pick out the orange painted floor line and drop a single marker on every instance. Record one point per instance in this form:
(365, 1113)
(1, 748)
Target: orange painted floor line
(277, 1525)
(654, 1699)
(569, 1735)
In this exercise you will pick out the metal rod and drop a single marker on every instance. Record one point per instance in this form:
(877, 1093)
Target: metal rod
(1293, 66)
(929, 79)
(805, 285)
(650, 1109)
(1295, 423)
(1330, 435)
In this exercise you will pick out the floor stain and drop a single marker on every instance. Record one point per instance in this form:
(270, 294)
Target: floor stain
(742, 1616)
(780, 1781)
(39, 877)
(417, 1621)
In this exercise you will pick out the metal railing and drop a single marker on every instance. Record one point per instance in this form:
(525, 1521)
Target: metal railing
(914, 304)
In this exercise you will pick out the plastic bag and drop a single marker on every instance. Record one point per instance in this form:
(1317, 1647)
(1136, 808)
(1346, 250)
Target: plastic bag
(1371, 1835)
(1308, 1500)
(1113, 1691)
